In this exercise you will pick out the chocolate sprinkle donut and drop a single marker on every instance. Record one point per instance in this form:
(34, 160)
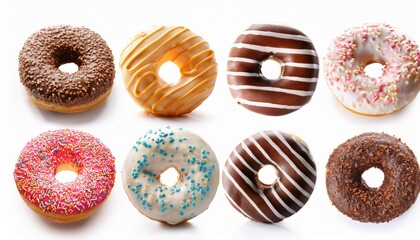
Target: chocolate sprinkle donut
(350, 193)
(55, 90)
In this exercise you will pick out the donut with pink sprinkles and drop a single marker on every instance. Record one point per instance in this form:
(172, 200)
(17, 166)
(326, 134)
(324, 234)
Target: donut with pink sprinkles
(352, 51)
(65, 149)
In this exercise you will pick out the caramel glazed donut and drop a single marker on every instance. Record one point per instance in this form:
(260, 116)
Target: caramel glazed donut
(360, 46)
(295, 167)
(54, 90)
(349, 192)
(143, 56)
(296, 84)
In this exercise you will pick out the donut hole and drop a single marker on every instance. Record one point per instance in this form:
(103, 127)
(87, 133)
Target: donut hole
(374, 70)
(69, 67)
(272, 69)
(67, 60)
(66, 173)
(267, 176)
(373, 177)
(169, 177)
(169, 72)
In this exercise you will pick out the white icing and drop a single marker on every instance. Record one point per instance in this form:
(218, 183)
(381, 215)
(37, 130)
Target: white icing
(265, 104)
(360, 46)
(163, 149)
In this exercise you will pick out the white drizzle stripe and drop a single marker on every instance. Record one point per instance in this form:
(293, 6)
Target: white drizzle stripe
(290, 64)
(264, 104)
(301, 159)
(297, 201)
(300, 79)
(272, 89)
(288, 160)
(232, 180)
(275, 194)
(255, 189)
(249, 152)
(275, 49)
(244, 74)
(301, 65)
(244, 162)
(237, 206)
(294, 183)
(245, 60)
(277, 35)
(290, 78)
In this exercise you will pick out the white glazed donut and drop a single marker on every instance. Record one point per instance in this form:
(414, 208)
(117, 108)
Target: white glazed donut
(358, 47)
(158, 151)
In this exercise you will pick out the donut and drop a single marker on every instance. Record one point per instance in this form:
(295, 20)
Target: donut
(349, 192)
(358, 47)
(162, 149)
(54, 90)
(142, 58)
(297, 57)
(296, 172)
(65, 149)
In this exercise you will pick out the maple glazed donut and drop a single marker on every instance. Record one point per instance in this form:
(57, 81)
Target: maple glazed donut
(349, 192)
(297, 57)
(54, 151)
(296, 173)
(50, 88)
(358, 47)
(149, 50)
(158, 151)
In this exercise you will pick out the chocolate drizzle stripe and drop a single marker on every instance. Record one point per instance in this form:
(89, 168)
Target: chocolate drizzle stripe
(232, 180)
(280, 200)
(301, 159)
(275, 49)
(272, 89)
(277, 35)
(237, 206)
(255, 189)
(288, 160)
(280, 168)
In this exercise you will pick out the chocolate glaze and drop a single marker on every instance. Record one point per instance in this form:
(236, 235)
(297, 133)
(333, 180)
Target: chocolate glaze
(51, 47)
(256, 200)
(298, 41)
(350, 193)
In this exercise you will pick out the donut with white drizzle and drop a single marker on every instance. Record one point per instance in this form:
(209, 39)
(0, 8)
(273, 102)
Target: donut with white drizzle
(159, 150)
(295, 167)
(297, 57)
(358, 47)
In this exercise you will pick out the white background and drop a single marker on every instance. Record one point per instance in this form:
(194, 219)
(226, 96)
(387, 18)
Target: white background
(323, 123)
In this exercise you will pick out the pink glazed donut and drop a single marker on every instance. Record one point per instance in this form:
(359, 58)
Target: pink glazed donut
(358, 47)
(55, 151)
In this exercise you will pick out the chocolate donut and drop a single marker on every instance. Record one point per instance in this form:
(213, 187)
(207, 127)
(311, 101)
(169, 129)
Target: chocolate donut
(293, 162)
(350, 193)
(296, 84)
(54, 90)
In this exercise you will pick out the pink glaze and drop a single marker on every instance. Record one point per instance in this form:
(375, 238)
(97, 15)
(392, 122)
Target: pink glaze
(36, 168)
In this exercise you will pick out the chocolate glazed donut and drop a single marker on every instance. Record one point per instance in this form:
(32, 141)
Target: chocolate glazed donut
(297, 56)
(296, 173)
(350, 193)
(54, 90)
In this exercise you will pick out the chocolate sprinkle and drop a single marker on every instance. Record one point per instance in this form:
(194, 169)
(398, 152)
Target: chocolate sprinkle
(51, 47)
(350, 193)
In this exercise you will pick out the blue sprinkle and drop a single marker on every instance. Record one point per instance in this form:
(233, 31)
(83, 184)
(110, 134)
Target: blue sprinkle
(181, 213)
